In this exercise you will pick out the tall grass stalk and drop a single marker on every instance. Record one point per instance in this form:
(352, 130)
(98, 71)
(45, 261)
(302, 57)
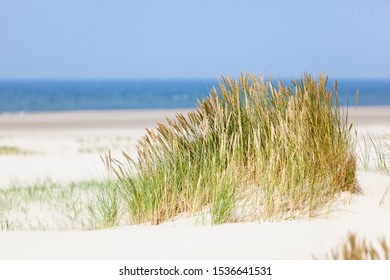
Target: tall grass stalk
(282, 151)
(383, 199)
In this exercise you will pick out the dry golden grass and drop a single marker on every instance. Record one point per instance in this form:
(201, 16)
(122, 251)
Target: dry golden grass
(355, 249)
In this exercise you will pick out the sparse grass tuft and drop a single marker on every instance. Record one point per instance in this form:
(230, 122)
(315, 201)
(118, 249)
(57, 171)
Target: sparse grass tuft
(283, 151)
(355, 249)
(12, 150)
(47, 206)
(364, 154)
(373, 148)
(382, 165)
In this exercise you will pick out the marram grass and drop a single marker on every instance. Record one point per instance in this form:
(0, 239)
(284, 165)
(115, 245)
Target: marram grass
(252, 150)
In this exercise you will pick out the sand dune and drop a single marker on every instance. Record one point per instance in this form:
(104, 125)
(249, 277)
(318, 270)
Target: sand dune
(64, 147)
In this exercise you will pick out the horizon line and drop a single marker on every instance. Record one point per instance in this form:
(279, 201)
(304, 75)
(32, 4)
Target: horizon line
(172, 78)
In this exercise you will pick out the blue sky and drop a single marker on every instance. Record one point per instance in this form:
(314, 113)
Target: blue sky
(58, 39)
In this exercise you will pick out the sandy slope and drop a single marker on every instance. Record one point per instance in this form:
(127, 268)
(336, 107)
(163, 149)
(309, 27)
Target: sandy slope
(66, 147)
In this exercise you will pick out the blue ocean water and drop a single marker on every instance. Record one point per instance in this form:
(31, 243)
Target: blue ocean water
(67, 95)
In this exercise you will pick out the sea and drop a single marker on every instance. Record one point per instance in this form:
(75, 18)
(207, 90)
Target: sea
(19, 96)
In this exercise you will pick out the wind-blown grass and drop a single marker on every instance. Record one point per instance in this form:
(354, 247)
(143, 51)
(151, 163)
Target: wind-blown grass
(252, 150)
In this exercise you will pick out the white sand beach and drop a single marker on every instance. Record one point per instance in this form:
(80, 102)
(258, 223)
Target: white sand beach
(66, 147)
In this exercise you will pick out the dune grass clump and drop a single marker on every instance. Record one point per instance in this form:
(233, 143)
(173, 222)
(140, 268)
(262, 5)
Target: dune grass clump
(252, 150)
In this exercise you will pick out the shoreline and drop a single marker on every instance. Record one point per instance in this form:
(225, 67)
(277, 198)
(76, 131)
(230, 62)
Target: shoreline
(74, 120)
(141, 118)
